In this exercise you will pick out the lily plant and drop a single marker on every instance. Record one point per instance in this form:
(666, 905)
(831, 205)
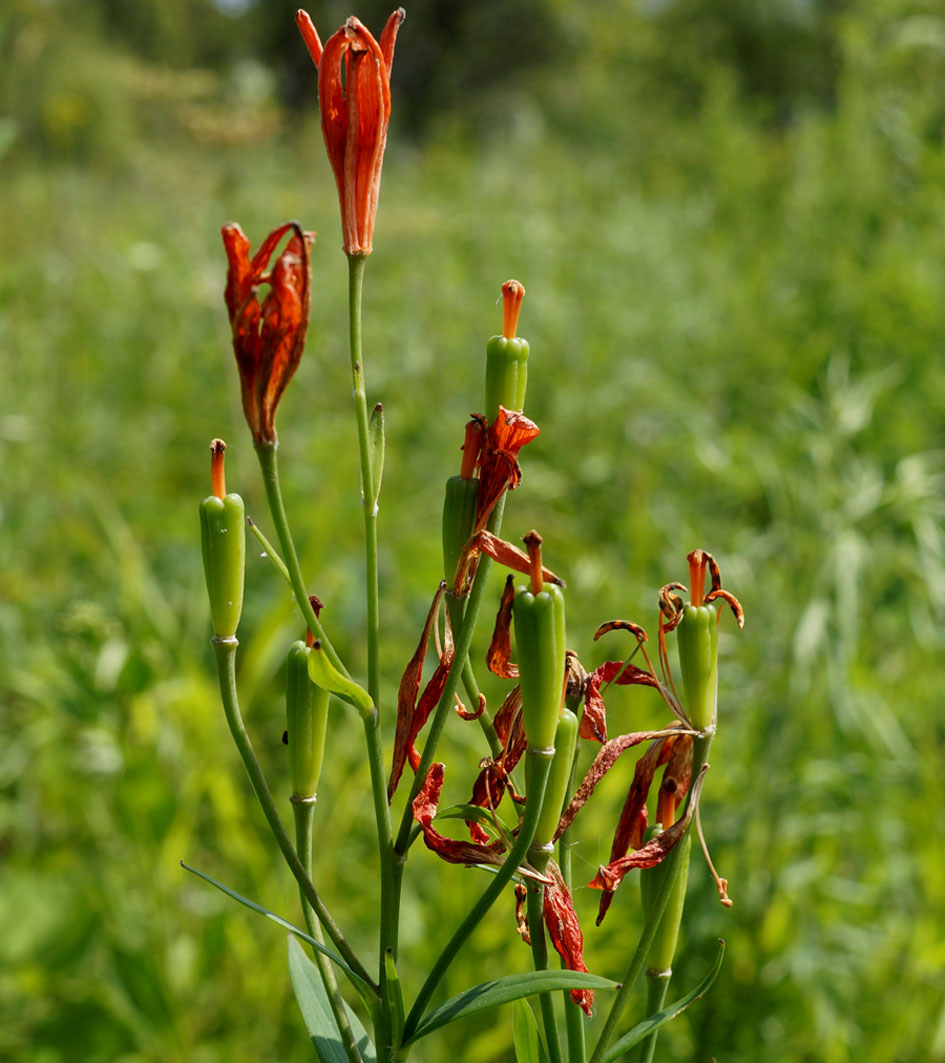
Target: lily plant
(535, 742)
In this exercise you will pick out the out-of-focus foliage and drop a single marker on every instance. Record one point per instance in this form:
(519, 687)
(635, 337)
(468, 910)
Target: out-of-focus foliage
(733, 256)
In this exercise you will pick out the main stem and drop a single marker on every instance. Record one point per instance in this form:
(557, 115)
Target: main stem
(537, 768)
(442, 710)
(573, 1016)
(304, 813)
(389, 901)
(536, 932)
(225, 651)
(700, 757)
(657, 985)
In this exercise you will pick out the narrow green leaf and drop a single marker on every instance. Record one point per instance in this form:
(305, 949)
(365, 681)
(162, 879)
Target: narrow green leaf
(504, 991)
(334, 957)
(654, 1022)
(395, 995)
(316, 1012)
(376, 449)
(324, 674)
(269, 552)
(525, 1034)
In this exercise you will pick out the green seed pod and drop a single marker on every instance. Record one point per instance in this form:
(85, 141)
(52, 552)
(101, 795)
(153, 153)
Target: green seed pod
(663, 946)
(506, 374)
(698, 638)
(540, 636)
(306, 713)
(223, 539)
(459, 519)
(557, 789)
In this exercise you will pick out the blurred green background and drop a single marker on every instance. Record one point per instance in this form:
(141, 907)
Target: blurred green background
(730, 220)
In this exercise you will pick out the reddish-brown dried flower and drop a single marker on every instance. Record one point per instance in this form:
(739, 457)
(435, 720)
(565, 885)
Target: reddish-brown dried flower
(499, 470)
(354, 99)
(268, 338)
(564, 930)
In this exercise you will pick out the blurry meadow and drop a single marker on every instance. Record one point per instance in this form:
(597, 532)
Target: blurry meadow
(730, 222)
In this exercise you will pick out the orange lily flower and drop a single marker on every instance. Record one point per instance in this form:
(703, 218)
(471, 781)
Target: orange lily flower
(354, 97)
(268, 338)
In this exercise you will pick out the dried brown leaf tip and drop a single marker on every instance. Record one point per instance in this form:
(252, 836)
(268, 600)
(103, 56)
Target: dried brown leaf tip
(268, 337)
(412, 713)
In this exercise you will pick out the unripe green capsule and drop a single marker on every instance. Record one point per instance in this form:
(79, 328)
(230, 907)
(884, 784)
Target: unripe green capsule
(556, 790)
(697, 635)
(459, 519)
(306, 713)
(223, 540)
(663, 946)
(506, 374)
(540, 637)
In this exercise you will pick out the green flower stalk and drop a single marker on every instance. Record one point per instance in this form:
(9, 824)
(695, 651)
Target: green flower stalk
(538, 613)
(306, 713)
(507, 358)
(556, 791)
(223, 542)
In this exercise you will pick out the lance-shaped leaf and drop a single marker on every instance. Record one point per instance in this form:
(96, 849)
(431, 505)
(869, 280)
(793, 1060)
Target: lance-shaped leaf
(643, 1030)
(316, 1012)
(503, 991)
(324, 674)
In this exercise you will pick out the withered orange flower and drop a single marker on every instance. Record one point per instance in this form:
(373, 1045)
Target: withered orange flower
(499, 470)
(268, 337)
(564, 930)
(354, 99)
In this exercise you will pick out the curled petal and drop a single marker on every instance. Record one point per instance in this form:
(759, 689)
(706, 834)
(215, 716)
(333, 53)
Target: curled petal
(454, 852)
(466, 714)
(603, 762)
(500, 648)
(499, 470)
(484, 542)
(565, 932)
(654, 852)
(594, 717)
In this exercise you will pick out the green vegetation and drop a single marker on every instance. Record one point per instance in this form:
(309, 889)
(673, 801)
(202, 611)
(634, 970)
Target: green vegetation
(736, 316)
